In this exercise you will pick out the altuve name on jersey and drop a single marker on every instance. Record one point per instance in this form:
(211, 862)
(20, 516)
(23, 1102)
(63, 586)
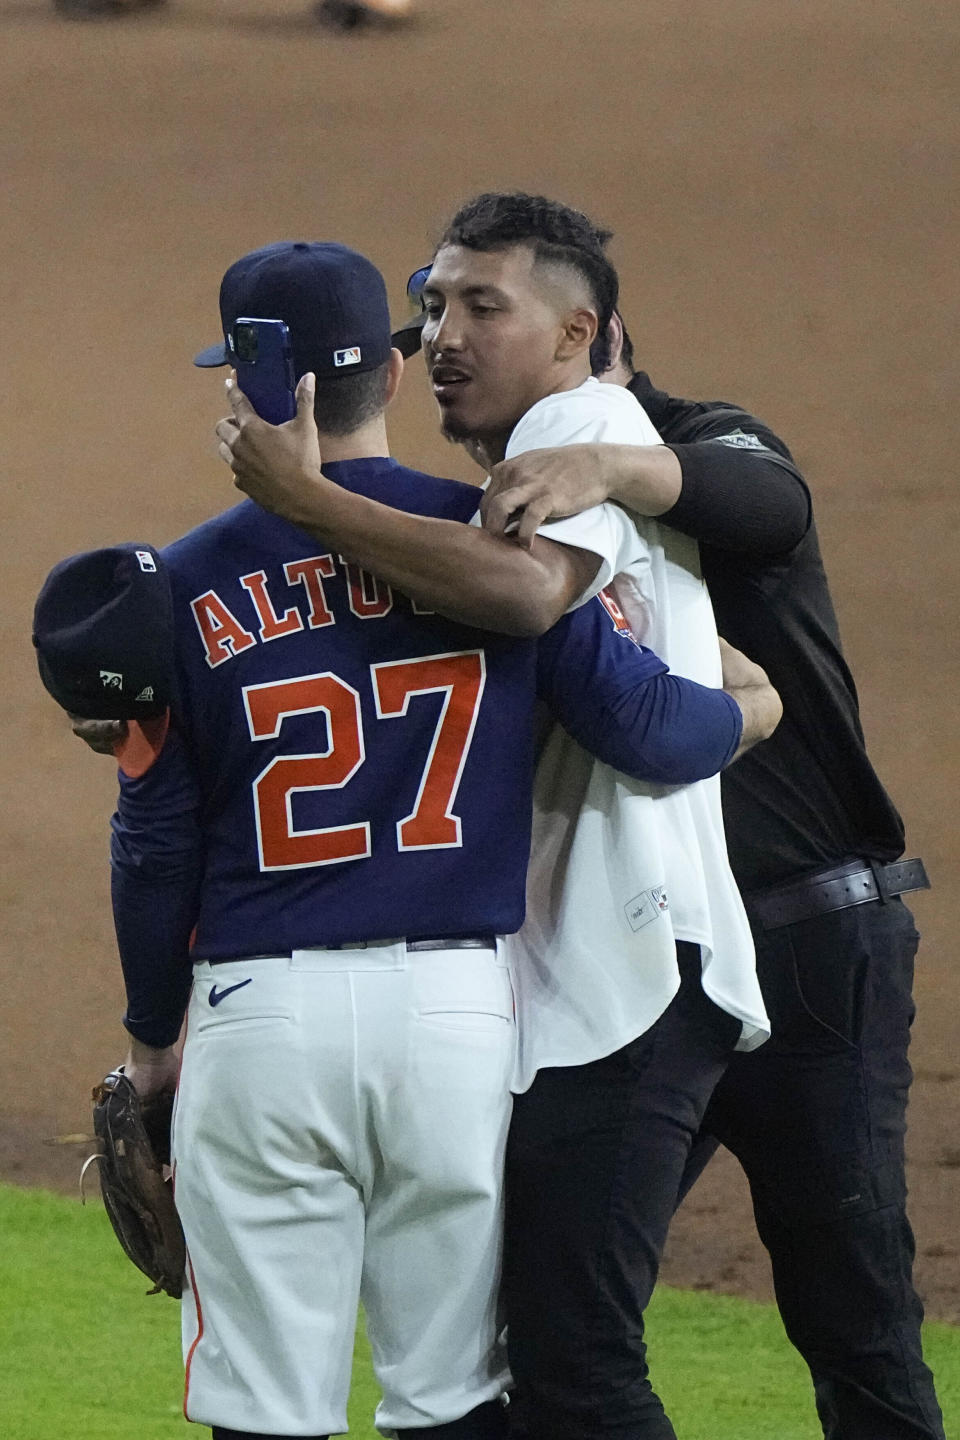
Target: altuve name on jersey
(224, 635)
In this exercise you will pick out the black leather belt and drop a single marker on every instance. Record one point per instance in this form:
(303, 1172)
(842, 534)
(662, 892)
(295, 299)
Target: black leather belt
(855, 883)
(464, 942)
(468, 942)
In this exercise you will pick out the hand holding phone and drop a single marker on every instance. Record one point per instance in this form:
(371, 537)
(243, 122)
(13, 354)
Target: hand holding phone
(263, 359)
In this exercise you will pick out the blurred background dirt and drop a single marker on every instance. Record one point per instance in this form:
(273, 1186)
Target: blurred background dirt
(783, 181)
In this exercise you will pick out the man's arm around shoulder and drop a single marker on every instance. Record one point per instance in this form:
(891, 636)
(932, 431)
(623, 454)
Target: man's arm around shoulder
(618, 700)
(458, 570)
(745, 498)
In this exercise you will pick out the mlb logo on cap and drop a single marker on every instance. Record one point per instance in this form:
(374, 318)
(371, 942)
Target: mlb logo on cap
(347, 357)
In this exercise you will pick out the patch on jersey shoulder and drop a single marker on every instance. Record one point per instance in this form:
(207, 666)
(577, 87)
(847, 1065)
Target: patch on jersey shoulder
(740, 440)
(643, 909)
(620, 622)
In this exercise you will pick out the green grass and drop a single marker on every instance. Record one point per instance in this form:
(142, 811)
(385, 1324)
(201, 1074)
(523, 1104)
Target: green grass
(85, 1356)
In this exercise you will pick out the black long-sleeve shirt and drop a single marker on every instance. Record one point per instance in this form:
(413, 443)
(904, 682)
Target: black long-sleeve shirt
(808, 797)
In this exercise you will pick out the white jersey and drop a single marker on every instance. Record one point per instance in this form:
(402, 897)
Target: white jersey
(620, 870)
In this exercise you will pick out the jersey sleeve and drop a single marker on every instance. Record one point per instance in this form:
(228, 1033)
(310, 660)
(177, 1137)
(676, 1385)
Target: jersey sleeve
(619, 701)
(591, 414)
(156, 856)
(606, 531)
(741, 490)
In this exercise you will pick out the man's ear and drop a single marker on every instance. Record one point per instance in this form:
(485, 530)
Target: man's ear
(616, 373)
(615, 340)
(579, 330)
(394, 375)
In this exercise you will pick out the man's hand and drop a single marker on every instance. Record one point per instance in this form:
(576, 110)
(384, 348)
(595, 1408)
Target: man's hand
(150, 1070)
(543, 485)
(547, 484)
(750, 687)
(100, 735)
(278, 466)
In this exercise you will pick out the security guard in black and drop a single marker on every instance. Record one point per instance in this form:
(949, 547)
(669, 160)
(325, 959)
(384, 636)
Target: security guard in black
(817, 1115)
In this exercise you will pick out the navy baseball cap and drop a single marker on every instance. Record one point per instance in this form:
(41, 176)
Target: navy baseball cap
(332, 299)
(103, 631)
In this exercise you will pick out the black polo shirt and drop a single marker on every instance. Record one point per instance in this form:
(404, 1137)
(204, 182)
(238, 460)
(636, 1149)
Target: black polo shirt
(808, 797)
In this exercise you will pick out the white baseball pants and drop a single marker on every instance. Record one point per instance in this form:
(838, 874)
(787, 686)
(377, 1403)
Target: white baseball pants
(339, 1135)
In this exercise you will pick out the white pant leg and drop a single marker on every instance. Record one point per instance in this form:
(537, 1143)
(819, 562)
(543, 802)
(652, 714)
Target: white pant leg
(438, 1059)
(272, 1216)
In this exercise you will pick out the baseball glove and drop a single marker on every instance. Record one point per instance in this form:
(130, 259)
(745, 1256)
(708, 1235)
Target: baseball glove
(134, 1140)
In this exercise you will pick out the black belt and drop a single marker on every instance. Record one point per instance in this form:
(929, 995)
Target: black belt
(855, 883)
(464, 942)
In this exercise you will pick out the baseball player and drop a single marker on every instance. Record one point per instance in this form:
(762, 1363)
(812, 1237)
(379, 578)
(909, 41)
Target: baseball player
(339, 817)
(634, 972)
(349, 14)
(817, 1116)
(333, 14)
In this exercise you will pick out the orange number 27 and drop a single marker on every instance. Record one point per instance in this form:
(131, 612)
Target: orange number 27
(432, 824)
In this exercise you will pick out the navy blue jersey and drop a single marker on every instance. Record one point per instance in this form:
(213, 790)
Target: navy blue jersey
(344, 766)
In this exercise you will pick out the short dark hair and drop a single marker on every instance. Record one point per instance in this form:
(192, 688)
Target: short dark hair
(556, 233)
(345, 402)
(626, 350)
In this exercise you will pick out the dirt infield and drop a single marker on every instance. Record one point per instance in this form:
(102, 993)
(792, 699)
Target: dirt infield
(783, 181)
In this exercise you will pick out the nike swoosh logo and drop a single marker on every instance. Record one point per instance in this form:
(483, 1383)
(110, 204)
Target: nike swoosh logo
(217, 995)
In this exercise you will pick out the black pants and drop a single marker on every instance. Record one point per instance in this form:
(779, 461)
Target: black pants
(594, 1161)
(817, 1118)
(486, 1422)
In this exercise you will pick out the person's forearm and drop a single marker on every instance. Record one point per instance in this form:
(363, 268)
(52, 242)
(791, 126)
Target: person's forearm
(645, 478)
(458, 570)
(617, 700)
(762, 711)
(670, 731)
(157, 867)
(541, 485)
(738, 500)
(153, 920)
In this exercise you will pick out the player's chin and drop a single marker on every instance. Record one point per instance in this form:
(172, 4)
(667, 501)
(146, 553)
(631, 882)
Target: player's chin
(455, 426)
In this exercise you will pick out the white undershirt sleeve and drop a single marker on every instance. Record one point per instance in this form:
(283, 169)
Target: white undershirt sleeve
(591, 414)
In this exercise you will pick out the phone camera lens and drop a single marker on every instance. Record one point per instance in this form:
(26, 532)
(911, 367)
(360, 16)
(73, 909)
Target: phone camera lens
(245, 343)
